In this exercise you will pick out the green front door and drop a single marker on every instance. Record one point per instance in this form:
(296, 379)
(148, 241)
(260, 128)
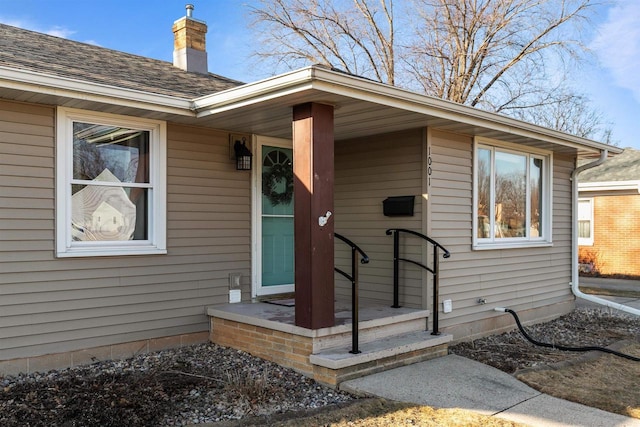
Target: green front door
(277, 216)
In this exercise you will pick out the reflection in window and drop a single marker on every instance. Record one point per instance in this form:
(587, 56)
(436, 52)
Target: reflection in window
(509, 195)
(484, 192)
(535, 184)
(110, 183)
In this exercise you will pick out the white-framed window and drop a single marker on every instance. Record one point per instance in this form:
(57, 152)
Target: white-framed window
(585, 222)
(110, 184)
(511, 196)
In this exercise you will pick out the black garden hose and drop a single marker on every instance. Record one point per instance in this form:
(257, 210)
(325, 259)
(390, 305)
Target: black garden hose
(562, 347)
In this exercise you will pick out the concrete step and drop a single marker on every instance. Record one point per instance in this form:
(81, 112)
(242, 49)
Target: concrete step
(394, 322)
(336, 358)
(335, 365)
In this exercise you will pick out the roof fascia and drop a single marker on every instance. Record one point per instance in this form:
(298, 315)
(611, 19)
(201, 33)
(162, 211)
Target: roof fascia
(253, 93)
(441, 108)
(47, 84)
(337, 83)
(609, 186)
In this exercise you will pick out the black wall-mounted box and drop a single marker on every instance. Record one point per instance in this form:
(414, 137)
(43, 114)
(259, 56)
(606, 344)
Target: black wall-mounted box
(398, 206)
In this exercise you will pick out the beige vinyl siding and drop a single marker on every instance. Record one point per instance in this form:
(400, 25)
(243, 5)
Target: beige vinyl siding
(26, 182)
(50, 305)
(522, 278)
(367, 171)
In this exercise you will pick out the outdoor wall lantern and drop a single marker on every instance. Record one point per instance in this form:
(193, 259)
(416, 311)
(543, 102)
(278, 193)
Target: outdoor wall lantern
(243, 155)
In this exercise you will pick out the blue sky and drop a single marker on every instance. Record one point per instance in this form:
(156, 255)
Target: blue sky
(143, 27)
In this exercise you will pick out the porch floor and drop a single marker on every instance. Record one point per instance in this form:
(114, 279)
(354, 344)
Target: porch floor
(282, 318)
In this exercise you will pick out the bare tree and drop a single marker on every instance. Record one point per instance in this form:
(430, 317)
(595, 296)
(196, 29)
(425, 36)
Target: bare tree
(570, 113)
(506, 56)
(353, 35)
(496, 55)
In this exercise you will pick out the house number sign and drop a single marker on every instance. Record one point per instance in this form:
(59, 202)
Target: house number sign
(429, 161)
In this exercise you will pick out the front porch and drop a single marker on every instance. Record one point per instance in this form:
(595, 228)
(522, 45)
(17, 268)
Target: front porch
(389, 337)
(313, 335)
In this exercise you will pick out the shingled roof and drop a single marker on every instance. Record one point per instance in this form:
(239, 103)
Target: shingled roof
(41, 53)
(623, 167)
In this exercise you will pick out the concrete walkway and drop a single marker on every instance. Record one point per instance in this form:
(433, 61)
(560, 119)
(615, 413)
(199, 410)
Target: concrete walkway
(612, 286)
(457, 382)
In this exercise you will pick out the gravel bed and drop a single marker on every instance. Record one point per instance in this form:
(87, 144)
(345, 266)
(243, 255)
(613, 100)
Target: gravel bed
(190, 385)
(582, 327)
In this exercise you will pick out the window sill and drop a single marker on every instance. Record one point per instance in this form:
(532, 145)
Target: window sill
(101, 252)
(511, 245)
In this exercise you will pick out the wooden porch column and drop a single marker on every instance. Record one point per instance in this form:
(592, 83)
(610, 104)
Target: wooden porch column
(313, 190)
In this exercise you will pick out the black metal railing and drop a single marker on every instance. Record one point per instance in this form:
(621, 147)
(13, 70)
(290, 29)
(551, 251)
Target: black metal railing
(434, 271)
(353, 278)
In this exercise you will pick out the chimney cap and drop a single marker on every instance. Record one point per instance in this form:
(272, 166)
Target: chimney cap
(189, 8)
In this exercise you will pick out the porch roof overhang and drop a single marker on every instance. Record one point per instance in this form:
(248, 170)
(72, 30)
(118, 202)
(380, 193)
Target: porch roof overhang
(362, 108)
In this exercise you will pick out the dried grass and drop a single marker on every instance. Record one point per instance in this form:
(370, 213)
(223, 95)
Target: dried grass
(379, 413)
(609, 382)
(252, 386)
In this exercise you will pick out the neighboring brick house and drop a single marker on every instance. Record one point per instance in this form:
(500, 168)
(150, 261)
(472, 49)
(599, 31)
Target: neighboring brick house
(609, 216)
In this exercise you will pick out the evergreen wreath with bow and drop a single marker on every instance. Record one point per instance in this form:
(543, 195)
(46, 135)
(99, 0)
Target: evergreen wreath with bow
(278, 173)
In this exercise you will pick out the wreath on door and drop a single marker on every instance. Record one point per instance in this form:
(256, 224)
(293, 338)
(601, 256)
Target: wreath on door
(278, 173)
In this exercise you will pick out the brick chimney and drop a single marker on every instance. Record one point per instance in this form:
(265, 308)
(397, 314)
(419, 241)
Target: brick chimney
(189, 50)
